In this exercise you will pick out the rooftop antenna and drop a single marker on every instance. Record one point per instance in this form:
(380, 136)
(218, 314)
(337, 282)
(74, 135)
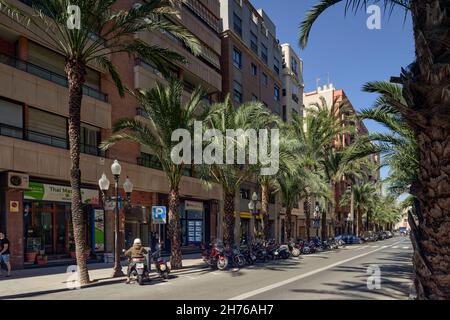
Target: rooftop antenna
(317, 83)
(328, 77)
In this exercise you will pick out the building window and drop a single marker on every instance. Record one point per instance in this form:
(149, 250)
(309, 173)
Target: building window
(276, 65)
(264, 53)
(254, 70)
(265, 79)
(245, 193)
(90, 138)
(237, 58)
(237, 89)
(276, 93)
(254, 97)
(11, 119)
(294, 66)
(255, 18)
(284, 114)
(47, 128)
(237, 24)
(254, 42)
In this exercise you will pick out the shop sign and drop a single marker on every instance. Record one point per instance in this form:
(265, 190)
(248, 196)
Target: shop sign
(50, 192)
(14, 206)
(193, 205)
(99, 230)
(159, 215)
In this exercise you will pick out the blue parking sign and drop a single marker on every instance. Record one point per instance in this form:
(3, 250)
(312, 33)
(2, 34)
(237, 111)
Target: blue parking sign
(159, 215)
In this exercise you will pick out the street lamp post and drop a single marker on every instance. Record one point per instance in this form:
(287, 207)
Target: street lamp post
(128, 187)
(349, 222)
(317, 219)
(254, 207)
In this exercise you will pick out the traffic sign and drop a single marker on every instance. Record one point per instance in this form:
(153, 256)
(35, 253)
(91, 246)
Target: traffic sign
(159, 215)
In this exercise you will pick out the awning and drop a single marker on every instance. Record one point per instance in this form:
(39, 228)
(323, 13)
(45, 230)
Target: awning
(247, 215)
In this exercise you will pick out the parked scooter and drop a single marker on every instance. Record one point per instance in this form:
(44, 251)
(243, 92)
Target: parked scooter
(293, 248)
(160, 263)
(282, 252)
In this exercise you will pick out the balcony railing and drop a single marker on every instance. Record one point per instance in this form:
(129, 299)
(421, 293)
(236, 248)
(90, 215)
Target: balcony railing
(48, 75)
(43, 138)
(203, 14)
(151, 161)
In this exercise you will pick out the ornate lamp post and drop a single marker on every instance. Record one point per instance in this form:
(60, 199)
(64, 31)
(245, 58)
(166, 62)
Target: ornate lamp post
(254, 207)
(104, 184)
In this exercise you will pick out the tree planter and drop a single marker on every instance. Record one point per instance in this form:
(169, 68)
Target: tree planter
(30, 256)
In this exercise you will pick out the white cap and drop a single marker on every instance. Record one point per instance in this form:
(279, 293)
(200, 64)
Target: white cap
(137, 241)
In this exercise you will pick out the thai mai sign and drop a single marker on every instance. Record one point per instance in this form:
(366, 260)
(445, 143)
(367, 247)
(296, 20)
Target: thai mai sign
(50, 192)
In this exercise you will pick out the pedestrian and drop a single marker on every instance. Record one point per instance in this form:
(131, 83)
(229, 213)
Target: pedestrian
(4, 252)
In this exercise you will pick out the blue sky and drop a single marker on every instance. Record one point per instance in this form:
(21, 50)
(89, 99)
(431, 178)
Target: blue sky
(345, 48)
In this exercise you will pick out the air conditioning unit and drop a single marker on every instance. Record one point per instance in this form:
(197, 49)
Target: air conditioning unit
(16, 180)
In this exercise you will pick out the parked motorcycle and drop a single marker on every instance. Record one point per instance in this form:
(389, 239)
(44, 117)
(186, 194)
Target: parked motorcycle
(282, 252)
(236, 257)
(215, 256)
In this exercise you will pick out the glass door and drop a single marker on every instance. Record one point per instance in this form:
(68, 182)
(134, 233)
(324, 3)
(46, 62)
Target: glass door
(61, 224)
(43, 225)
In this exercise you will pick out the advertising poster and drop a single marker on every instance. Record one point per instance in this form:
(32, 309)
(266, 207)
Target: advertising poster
(99, 230)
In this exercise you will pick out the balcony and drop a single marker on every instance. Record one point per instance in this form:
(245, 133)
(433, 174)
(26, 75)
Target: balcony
(48, 75)
(204, 15)
(43, 138)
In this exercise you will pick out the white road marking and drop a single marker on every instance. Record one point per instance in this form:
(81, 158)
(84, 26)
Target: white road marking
(405, 247)
(296, 278)
(395, 247)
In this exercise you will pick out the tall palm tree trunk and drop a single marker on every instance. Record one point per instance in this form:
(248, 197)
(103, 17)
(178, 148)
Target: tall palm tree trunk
(307, 211)
(176, 261)
(324, 233)
(359, 224)
(75, 71)
(265, 209)
(427, 91)
(228, 232)
(288, 225)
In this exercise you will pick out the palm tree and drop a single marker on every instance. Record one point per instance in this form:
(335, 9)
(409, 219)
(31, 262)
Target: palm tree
(317, 133)
(222, 117)
(103, 31)
(364, 196)
(165, 113)
(425, 88)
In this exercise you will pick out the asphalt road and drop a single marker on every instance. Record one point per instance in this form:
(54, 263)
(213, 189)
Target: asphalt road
(337, 274)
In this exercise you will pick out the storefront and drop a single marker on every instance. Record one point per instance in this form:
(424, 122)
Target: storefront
(47, 222)
(245, 227)
(194, 217)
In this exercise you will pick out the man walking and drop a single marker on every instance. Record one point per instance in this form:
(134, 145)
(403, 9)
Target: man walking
(4, 252)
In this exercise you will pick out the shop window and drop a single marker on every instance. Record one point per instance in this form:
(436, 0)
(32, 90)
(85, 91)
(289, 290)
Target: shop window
(11, 119)
(245, 193)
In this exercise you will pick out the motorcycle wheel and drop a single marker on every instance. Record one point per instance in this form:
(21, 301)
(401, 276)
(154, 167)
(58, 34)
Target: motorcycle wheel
(165, 275)
(240, 261)
(295, 252)
(222, 264)
(140, 280)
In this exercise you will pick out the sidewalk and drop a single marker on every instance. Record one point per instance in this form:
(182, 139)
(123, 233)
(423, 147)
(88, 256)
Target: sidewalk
(31, 282)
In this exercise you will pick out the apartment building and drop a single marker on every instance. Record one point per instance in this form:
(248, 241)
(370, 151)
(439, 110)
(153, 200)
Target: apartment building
(338, 98)
(34, 157)
(251, 71)
(251, 55)
(293, 84)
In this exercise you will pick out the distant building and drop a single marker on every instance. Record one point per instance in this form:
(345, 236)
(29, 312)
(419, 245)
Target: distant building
(338, 98)
(293, 85)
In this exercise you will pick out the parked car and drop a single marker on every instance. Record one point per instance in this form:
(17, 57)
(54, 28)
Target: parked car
(350, 239)
(368, 236)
